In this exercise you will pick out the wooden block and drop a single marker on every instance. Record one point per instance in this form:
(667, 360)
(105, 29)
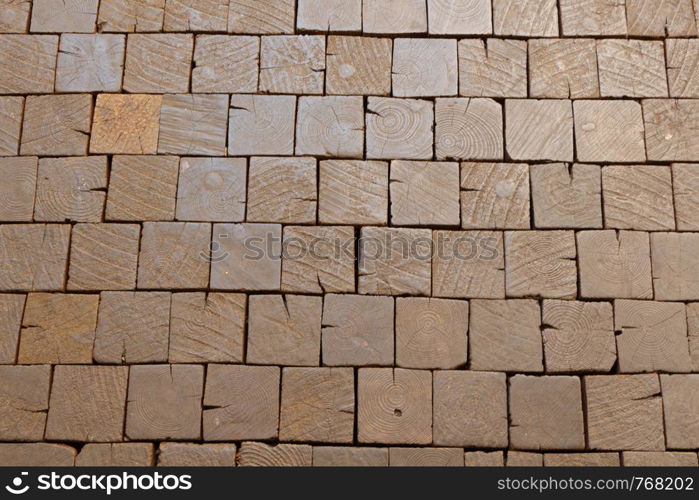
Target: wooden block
(539, 129)
(683, 67)
(426, 457)
(468, 129)
(578, 336)
(395, 16)
(541, 264)
(36, 254)
(659, 459)
(292, 64)
(261, 125)
(192, 124)
(11, 111)
(357, 330)
(431, 333)
(624, 412)
(174, 255)
(196, 455)
(414, 60)
(593, 18)
(693, 332)
(58, 329)
(563, 68)
(318, 259)
(262, 16)
(17, 189)
(675, 275)
(492, 68)
(115, 455)
(24, 401)
(638, 197)
(131, 15)
(581, 460)
(57, 125)
(142, 188)
(90, 63)
(460, 17)
(399, 129)
(330, 126)
(484, 459)
(164, 402)
(527, 18)
(667, 136)
(566, 195)
(11, 310)
(18, 77)
(358, 65)
(158, 63)
(212, 189)
(663, 18)
(495, 196)
(349, 456)
(546, 413)
(424, 193)
(58, 16)
(14, 16)
(470, 409)
(132, 327)
(505, 335)
(196, 15)
(395, 261)
(226, 64)
(281, 455)
(353, 192)
(282, 190)
(87, 403)
(71, 189)
(681, 410)
(394, 406)
(614, 264)
(685, 185)
(468, 264)
(329, 15)
(609, 131)
(207, 327)
(241, 402)
(524, 459)
(317, 405)
(103, 256)
(284, 330)
(631, 68)
(246, 257)
(126, 124)
(36, 455)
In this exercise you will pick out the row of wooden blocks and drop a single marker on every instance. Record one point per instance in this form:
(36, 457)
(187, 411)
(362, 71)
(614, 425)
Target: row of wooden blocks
(515, 335)
(647, 18)
(349, 65)
(250, 453)
(657, 130)
(302, 190)
(463, 409)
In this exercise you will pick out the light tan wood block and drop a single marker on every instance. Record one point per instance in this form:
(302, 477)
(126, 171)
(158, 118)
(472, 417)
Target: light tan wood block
(685, 185)
(262, 125)
(131, 15)
(358, 65)
(492, 67)
(661, 18)
(349, 456)
(18, 188)
(659, 459)
(196, 15)
(227, 64)
(158, 63)
(37, 455)
(292, 64)
(468, 129)
(115, 455)
(414, 60)
(563, 68)
(525, 18)
(459, 17)
(394, 16)
(329, 15)
(58, 16)
(11, 113)
(11, 311)
(212, 189)
(484, 459)
(126, 124)
(668, 138)
(608, 131)
(675, 260)
(632, 68)
(681, 408)
(593, 18)
(193, 124)
(587, 459)
(14, 16)
(261, 16)
(426, 457)
(27, 63)
(281, 455)
(539, 129)
(57, 125)
(683, 67)
(330, 126)
(399, 129)
(90, 63)
(24, 393)
(197, 455)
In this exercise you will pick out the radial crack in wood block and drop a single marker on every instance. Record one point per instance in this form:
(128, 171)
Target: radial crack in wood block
(661, 18)
(492, 67)
(126, 124)
(56, 125)
(90, 63)
(593, 17)
(292, 64)
(563, 68)
(399, 129)
(357, 330)
(614, 264)
(330, 126)
(261, 125)
(58, 329)
(131, 15)
(468, 129)
(241, 402)
(24, 401)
